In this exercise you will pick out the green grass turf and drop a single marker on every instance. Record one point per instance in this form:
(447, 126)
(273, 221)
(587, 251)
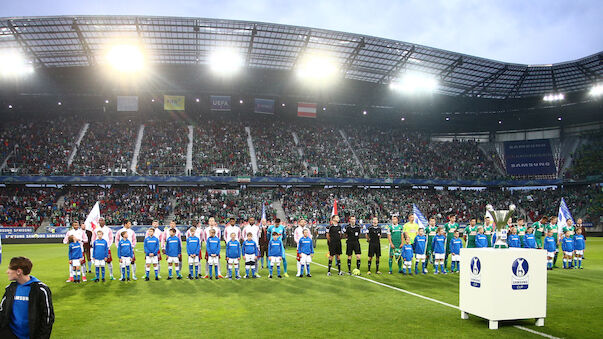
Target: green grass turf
(314, 307)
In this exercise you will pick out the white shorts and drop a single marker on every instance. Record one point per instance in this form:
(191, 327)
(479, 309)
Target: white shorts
(173, 260)
(455, 257)
(305, 259)
(579, 252)
(213, 260)
(407, 263)
(125, 261)
(76, 263)
(275, 260)
(233, 261)
(550, 254)
(99, 263)
(193, 260)
(152, 260)
(568, 253)
(420, 256)
(439, 256)
(249, 257)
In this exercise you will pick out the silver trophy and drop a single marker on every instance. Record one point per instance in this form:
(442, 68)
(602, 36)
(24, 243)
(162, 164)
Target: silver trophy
(501, 219)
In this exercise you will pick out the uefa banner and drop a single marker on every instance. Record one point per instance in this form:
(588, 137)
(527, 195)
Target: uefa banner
(529, 157)
(173, 102)
(220, 102)
(127, 103)
(265, 106)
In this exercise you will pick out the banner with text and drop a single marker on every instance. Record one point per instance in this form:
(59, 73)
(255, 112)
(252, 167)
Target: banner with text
(529, 157)
(265, 106)
(220, 102)
(127, 103)
(173, 102)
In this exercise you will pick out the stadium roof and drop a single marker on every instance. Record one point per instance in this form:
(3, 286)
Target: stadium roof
(68, 41)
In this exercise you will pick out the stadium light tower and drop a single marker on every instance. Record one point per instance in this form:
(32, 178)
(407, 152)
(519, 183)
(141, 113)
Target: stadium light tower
(553, 97)
(225, 62)
(413, 82)
(13, 63)
(315, 67)
(126, 58)
(596, 90)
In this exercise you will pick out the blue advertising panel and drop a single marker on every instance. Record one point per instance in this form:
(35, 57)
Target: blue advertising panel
(529, 157)
(265, 106)
(220, 102)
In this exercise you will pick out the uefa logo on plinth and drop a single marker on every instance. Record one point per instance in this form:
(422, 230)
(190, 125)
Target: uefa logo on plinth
(520, 278)
(475, 268)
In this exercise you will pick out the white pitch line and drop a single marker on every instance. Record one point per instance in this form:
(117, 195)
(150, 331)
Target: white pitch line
(431, 299)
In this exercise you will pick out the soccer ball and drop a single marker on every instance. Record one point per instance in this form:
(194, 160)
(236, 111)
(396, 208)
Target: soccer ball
(356, 271)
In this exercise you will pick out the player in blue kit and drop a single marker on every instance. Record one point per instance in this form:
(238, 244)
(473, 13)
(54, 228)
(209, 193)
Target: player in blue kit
(550, 245)
(233, 255)
(420, 248)
(456, 244)
(280, 230)
(579, 246)
(173, 250)
(481, 240)
(529, 240)
(439, 250)
(513, 239)
(213, 253)
(305, 248)
(407, 254)
(125, 254)
(151, 248)
(275, 254)
(100, 252)
(76, 256)
(251, 252)
(193, 248)
(567, 245)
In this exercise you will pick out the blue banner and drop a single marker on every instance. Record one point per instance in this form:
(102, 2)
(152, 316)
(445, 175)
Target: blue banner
(220, 102)
(529, 157)
(265, 106)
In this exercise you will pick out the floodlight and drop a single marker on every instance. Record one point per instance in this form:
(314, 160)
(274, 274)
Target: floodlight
(126, 58)
(596, 90)
(225, 62)
(10, 106)
(364, 112)
(316, 67)
(241, 101)
(554, 97)
(197, 100)
(415, 83)
(13, 63)
(106, 101)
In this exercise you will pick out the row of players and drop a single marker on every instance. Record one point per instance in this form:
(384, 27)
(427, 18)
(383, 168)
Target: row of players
(475, 236)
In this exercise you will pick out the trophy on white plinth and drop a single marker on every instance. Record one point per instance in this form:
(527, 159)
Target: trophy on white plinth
(501, 218)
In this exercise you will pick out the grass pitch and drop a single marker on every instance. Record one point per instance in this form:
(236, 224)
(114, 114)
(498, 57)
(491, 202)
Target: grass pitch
(317, 307)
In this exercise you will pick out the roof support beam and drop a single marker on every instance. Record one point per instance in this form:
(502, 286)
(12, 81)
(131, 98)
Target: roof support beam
(518, 84)
(83, 42)
(446, 72)
(587, 72)
(398, 66)
(485, 82)
(254, 32)
(352, 57)
(302, 50)
(23, 44)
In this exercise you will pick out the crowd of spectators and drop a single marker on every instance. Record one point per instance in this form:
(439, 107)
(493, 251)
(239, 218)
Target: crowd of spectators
(38, 147)
(197, 204)
(23, 206)
(106, 149)
(588, 160)
(220, 147)
(275, 149)
(163, 148)
(396, 153)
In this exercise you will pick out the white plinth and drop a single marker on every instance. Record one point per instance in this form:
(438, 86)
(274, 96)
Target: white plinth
(495, 291)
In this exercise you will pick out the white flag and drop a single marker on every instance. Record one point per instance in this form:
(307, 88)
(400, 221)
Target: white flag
(563, 216)
(92, 218)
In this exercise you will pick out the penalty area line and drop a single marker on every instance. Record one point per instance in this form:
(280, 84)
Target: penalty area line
(430, 299)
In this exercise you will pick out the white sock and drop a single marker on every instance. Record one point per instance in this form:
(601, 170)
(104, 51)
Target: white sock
(111, 269)
(133, 270)
(70, 271)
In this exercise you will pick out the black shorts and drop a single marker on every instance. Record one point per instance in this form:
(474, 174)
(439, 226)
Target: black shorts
(352, 246)
(335, 247)
(374, 250)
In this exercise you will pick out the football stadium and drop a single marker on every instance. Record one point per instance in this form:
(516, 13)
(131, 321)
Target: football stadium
(179, 177)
